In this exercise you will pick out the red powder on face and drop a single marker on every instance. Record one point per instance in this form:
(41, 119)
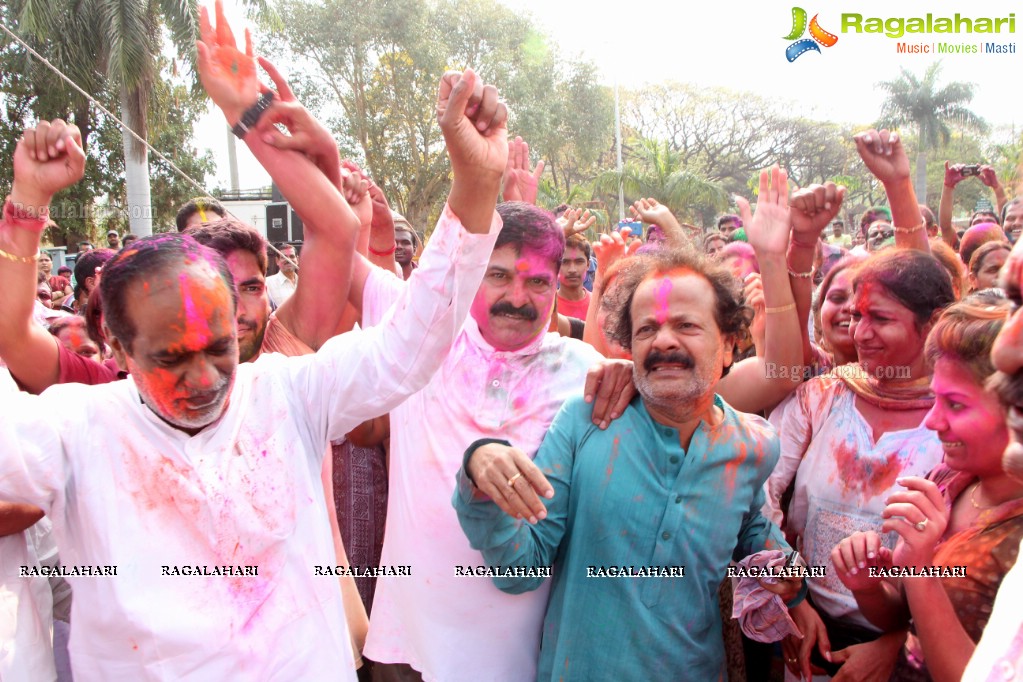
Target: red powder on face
(867, 477)
(198, 309)
(521, 265)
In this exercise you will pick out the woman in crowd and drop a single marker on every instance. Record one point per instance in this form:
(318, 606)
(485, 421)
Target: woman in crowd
(985, 264)
(847, 436)
(967, 512)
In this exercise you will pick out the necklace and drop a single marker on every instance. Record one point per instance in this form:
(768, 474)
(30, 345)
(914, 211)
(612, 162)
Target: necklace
(973, 499)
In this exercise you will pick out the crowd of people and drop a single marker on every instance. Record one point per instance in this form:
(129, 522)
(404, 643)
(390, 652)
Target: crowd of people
(770, 448)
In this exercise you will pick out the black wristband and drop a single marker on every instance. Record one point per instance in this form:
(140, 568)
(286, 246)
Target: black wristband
(472, 448)
(252, 115)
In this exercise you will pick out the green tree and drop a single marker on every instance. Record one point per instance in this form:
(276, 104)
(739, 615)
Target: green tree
(933, 111)
(119, 42)
(370, 68)
(652, 169)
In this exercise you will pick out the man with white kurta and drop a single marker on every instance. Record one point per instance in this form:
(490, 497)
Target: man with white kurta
(203, 487)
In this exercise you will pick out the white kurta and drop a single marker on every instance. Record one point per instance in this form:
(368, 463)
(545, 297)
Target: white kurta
(124, 488)
(451, 628)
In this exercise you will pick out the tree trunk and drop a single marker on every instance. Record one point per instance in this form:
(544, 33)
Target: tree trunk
(136, 176)
(921, 177)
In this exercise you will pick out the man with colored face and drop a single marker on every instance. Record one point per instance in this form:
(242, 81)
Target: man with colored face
(677, 480)
(573, 299)
(504, 375)
(216, 465)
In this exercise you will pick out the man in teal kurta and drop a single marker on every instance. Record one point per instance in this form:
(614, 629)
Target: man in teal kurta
(675, 481)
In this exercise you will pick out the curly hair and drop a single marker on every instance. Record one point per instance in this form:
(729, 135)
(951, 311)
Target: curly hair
(731, 313)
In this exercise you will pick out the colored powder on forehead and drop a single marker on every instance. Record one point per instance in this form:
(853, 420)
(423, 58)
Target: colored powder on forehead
(197, 311)
(521, 265)
(661, 295)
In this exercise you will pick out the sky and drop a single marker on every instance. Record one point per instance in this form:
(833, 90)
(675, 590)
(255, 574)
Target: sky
(741, 46)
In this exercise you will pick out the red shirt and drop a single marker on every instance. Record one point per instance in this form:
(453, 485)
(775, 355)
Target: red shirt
(576, 309)
(74, 369)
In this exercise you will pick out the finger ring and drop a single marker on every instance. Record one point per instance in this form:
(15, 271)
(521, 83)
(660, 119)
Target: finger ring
(511, 481)
(921, 525)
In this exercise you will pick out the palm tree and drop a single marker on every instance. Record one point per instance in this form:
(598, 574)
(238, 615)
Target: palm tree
(919, 102)
(654, 169)
(122, 41)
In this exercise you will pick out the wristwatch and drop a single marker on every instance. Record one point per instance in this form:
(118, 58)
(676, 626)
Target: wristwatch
(252, 114)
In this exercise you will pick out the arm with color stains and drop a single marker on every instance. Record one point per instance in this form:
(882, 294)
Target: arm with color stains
(506, 541)
(48, 158)
(751, 386)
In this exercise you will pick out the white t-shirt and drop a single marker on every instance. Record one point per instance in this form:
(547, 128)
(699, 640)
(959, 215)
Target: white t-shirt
(125, 489)
(451, 628)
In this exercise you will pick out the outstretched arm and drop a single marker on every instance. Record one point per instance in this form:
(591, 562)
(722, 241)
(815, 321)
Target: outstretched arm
(331, 227)
(750, 387)
(953, 176)
(48, 158)
(883, 154)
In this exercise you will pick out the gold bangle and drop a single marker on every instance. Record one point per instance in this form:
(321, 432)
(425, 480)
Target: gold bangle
(801, 275)
(907, 230)
(780, 309)
(19, 259)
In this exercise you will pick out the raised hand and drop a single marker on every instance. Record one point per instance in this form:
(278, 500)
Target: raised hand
(989, 177)
(575, 221)
(383, 221)
(511, 480)
(474, 123)
(812, 210)
(520, 183)
(953, 174)
(227, 74)
(883, 154)
(919, 516)
(48, 158)
(768, 229)
(355, 188)
(649, 211)
(305, 133)
(613, 247)
(855, 555)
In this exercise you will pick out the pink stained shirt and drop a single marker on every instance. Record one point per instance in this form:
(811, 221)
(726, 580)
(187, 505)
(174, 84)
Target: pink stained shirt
(244, 491)
(455, 629)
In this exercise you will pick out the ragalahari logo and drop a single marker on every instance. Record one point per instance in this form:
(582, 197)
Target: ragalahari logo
(819, 35)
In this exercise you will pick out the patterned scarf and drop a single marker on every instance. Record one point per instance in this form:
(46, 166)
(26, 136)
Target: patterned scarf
(890, 394)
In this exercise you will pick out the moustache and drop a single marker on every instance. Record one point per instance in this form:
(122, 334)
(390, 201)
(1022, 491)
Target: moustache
(673, 358)
(526, 312)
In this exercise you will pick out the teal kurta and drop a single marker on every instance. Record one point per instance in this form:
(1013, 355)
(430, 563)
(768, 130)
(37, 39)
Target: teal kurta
(630, 496)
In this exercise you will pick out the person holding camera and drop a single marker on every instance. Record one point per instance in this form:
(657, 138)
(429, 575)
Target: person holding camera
(955, 174)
